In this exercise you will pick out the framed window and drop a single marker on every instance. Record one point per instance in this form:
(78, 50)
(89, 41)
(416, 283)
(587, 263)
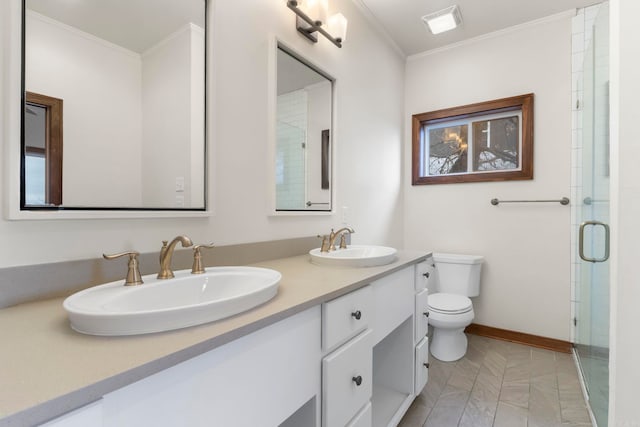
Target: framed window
(487, 141)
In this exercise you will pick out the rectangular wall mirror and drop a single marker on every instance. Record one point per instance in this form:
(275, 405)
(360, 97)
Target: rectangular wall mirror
(303, 135)
(113, 110)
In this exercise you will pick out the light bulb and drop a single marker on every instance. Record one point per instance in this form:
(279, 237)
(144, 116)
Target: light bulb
(338, 26)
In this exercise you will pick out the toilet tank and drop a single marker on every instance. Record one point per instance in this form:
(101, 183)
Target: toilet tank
(458, 274)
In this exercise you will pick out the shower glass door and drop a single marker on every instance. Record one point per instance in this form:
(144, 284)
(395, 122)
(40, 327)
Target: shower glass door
(592, 310)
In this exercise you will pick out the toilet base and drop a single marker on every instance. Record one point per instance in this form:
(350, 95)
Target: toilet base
(448, 345)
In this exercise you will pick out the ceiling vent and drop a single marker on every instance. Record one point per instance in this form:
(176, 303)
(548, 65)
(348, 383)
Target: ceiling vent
(443, 20)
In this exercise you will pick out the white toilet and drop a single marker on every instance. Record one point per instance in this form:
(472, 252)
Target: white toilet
(457, 277)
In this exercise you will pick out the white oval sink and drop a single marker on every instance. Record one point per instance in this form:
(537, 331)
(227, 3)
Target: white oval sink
(163, 305)
(355, 256)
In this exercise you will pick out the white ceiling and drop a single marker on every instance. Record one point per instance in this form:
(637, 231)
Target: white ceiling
(400, 19)
(132, 24)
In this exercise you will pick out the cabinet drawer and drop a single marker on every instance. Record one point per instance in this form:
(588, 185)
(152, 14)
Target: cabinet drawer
(344, 317)
(424, 274)
(347, 377)
(422, 365)
(422, 320)
(363, 419)
(392, 301)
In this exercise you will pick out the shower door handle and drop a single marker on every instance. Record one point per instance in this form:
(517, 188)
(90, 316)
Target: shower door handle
(581, 241)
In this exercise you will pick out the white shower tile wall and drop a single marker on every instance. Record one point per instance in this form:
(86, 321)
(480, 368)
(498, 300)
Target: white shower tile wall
(582, 25)
(290, 151)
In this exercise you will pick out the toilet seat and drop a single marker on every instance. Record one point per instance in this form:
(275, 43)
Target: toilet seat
(449, 303)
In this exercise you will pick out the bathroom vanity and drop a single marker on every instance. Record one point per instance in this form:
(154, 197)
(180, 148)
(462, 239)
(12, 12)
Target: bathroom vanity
(335, 347)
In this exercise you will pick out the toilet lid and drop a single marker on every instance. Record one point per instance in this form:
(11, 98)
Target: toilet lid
(449, 303)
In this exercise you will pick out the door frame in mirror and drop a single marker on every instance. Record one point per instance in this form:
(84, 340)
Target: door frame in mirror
(13, 101)
(276, 43)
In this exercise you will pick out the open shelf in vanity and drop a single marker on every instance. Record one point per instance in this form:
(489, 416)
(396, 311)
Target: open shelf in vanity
(393, 375)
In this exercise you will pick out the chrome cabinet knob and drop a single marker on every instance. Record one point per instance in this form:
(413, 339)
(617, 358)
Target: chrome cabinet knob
(426, 314)
(426, 365)
(357, 314)
(357, 380)
(426, 275)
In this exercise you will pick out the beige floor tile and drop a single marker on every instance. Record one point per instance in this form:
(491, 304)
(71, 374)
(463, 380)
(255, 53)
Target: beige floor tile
(518, 373)
(443, 416)
(516, 394)
(478, 413)
(510, 416)
(501, 384)
(575, 415)
(416, 415)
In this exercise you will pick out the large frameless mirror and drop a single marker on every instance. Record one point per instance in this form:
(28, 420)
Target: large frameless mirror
(303, 135)
(113, 105)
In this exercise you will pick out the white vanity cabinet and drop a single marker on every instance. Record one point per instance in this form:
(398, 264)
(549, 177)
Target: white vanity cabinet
(393, 351)
(423, 275)
(260, 379)
(358, 360)
(347, 343)
(347, 380)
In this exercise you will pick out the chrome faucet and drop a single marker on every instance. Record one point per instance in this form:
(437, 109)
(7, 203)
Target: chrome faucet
(334, 235)
(166, 252)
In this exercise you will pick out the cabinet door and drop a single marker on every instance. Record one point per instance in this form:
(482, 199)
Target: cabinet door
(363, 419)
(422, 311)
(347, 377)
(344, 317)
(257, 380)
(422, 365)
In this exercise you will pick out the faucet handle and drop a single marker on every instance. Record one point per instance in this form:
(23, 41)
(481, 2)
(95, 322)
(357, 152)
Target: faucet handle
(197, 267)
(324, 247)
(133, 271)
(343, 241)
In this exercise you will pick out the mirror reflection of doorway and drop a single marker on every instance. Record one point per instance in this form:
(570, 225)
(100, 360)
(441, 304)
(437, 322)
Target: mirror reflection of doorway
(42, 177)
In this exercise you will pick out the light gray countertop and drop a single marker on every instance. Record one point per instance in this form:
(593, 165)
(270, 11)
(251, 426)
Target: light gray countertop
(47, 369)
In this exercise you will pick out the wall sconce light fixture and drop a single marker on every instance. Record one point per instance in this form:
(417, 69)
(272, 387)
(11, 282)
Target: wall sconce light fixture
(312, 17)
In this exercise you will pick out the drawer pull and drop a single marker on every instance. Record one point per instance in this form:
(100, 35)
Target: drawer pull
(426, 274)
(426, 365)
(357, 314)
(426, 314)
(357, 380)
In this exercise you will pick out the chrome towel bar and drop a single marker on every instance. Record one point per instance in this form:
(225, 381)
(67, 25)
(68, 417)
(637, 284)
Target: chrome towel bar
(563, 201)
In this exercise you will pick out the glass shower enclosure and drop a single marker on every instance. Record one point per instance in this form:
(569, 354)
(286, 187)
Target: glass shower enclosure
(592, 305)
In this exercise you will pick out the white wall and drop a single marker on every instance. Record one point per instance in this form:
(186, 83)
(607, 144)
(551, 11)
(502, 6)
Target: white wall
(525, 281)
(367, 134)
(625, 211)
(168, 105)
(99, 83)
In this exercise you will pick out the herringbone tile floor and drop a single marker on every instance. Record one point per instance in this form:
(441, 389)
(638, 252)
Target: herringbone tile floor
(501, 384)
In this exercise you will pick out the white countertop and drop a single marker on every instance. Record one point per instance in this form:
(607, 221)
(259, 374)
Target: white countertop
(47, 369)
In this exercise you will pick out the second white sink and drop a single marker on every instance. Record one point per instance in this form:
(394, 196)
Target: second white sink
(355, 256)
(162, 305)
